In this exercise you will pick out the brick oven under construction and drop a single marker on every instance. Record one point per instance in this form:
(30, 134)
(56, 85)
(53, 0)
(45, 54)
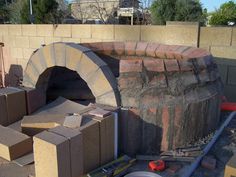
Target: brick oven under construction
(169, 95)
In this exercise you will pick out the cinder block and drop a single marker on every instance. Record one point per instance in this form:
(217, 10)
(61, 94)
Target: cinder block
(15, 30)
(153, 33)
(32, 125)
(89, 40)
(3, 110)
(51, 155)
(9, 41)
(49, 40)
(224, 52)
(33, 94)
(60, 54)
(234, 37)
(73, 57)
(91, 144)
(13, 110)
(81, 31)
(76, 148)
(13, 144)
(4, 30)
(127, 33)
(17, 52)
(74, 40)
(103, 32)
(62, 31)
(106, 125)
(27, 52)
(44, 30)
(36, 42)
(230, 168)
(22, 41)
(131, 66)
(215, 36)
(29, 30)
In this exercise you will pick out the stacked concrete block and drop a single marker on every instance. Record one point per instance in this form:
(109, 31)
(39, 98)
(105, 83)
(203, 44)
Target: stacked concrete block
(13, 105)
(14, 144)
(34, 124)
(32, 95)
(51, 155)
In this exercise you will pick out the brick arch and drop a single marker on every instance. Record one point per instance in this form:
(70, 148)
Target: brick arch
(75, 57)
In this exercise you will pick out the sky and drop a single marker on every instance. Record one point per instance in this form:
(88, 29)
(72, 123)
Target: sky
(212, 4)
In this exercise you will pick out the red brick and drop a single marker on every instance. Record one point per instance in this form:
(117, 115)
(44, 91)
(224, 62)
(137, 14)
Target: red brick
(151, 49)
(165, 127)
(131, 66)
(185, 65)
(177, 124)
(119, 48)
(130, 82)
(149, 100)
(153, 111)
(171, 65)
(208, 162)
(156, 65)
(130, 48)
(161, 51)
(107, 48)
(141, 48)
(170, 53)
(158, 81)
(96, 46)
(186, 53)
(198, 53)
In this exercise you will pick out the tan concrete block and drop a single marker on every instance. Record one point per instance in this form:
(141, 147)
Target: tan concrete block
(76, 148)
(23, 63)
(127, 33)
(13, 144)
(1, 38)
(234, 37)
(27, 53)
(22, 41)
(51, 155)
(29, 30)
(81, 31)
(4, 30)
(87, 40)
(62, 31)
(230, 168)
(73, 57)
(49, 40)
(49, 55)
(9, 40)
(36, 42)
(73, 40)
(15, 30)
(89, 64)
(153, 33)
(60, 54)
(182, 35)
(91, 150)
(17, 52)
(38, 62)
(108, 98)
(103, 32)
(96, 80)
(106, 125)
(32, 125)
(3, 110)
(44, 30)
(10, 95)
(31, 73)
(215, 36)
(224, 52)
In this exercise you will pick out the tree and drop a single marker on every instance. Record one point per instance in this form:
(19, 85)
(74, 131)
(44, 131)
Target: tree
(179, 10)
(15, 10)
(3, 11)
(44, 11)
(224, 15)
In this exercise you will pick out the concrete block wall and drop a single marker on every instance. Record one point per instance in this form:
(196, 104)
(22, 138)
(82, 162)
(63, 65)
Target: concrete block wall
(221, 42)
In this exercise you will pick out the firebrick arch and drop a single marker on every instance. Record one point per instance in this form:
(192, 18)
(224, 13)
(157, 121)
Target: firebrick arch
(84, 61)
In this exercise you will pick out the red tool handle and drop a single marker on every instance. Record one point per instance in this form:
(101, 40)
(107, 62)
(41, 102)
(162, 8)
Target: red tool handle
(158, 165)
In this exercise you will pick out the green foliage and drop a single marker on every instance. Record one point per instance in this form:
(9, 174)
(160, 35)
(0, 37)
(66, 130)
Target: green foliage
(226, 13)
(3, 11)
(179, 10)
(15, 10)
(44, 11)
